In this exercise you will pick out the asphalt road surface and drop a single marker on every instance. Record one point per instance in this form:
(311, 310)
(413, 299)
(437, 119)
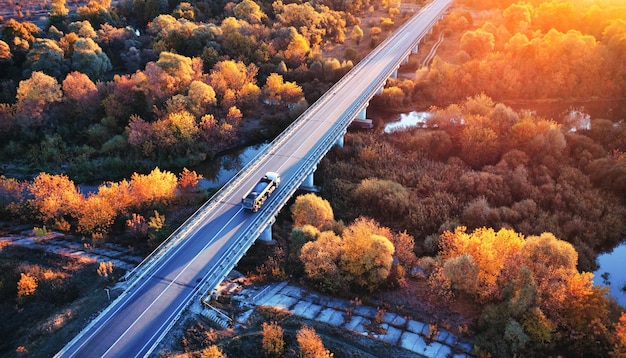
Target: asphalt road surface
(139, 318)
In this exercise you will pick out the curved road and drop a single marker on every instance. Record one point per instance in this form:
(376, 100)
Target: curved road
(141, 316)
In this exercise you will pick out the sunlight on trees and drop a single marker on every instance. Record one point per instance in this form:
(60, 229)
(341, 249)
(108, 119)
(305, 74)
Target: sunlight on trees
(367, 256)
(105, 268)
(26, 286)
(321, 259)
(54, 196)
(310, 209)
(34, 96)
(310, 344)
(212, 351)
(277, 91)
(273, 343)
(156, 187)
(490, 251)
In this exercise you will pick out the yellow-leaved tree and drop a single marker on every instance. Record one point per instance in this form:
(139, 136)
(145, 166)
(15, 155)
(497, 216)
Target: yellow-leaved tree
(484, 252)
(367, 255)
(310, 209)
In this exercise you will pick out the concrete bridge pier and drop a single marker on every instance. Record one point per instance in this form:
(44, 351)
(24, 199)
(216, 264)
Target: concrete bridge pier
(340, 140)
(406, 60)
(394, 75)
(415, 49)
(266, 235)
(308, 184)
(363, 112)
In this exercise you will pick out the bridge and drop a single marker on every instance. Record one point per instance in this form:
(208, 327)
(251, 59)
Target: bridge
(199, 254)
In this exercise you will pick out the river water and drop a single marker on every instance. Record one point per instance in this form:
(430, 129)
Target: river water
(217, 172)
(612, 266)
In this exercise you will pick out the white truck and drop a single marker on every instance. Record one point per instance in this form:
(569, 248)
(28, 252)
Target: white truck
(261, 191)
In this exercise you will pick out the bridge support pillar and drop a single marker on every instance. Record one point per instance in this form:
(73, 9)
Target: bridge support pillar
(380, 90)
(363, 112)
(406, 60)
(415, 49)
(394, 75)
(266, 235)
(308, 184)
(339, 141)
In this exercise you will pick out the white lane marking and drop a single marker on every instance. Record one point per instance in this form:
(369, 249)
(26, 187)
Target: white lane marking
(169, 285)
(128, 298)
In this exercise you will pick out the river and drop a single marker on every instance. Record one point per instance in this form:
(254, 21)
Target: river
(217, 172)
(612, 273)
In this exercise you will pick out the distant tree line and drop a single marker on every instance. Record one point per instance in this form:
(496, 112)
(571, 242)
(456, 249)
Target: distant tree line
(523, 50)
(108, 91)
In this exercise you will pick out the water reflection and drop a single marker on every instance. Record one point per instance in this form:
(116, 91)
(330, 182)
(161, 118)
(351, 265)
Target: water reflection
(407, 120)
(220, 170)
(613, 264)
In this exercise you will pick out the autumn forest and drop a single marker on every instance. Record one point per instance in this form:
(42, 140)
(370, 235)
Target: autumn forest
(494, 209)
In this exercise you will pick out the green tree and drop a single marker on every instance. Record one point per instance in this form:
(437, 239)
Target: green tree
(46, 56)
(89, 59)
(202, 96)
(372, 194)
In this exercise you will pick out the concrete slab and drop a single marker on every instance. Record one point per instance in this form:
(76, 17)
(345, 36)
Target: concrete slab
(461, 355)
(399, 321)
(432, 349)
(337, 303)
(292, 291)
(392, 336)
(301, 307)
(426, 330)
(326, 315)
(286, 302)
(444, 352)
(353, 323)
(360, 328)
(419, 345)
(466, 346)
(415, 326)
(337, 318)
(244, 317)
(312, 311)
(412, 342)
(388, 317)
(365, 311)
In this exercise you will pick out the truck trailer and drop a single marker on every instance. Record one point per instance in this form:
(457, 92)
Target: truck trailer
(261, 191)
